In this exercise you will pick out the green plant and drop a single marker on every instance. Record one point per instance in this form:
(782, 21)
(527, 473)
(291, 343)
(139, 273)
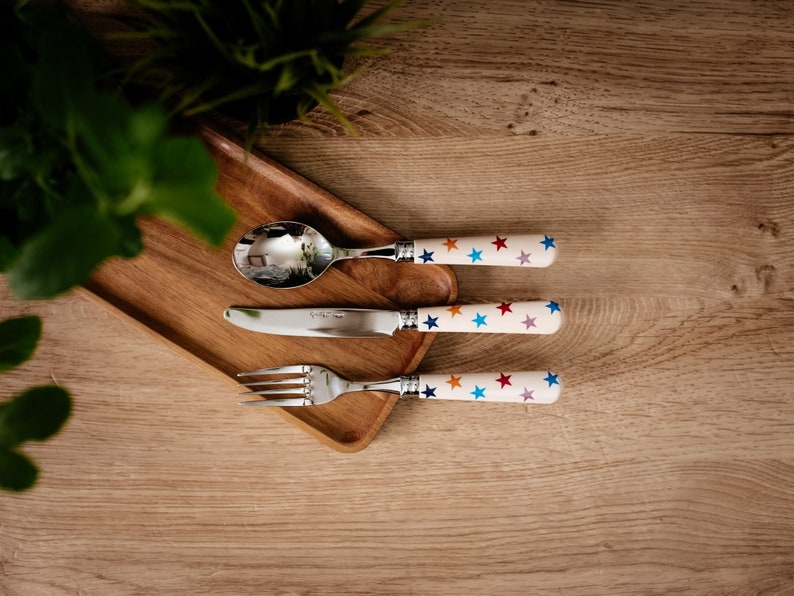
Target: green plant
(79, 165)
(33, 415)
(261, 61)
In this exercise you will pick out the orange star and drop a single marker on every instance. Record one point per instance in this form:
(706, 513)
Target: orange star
(455, 310)
(450, 244)
(453, 382)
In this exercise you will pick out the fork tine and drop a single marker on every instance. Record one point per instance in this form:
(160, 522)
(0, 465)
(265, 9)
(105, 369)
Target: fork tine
(297, 381)
(287, 391)
(277, 370)
(294, 401)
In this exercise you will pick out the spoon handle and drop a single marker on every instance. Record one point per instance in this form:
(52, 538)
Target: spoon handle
(528, 318)
(511, 250)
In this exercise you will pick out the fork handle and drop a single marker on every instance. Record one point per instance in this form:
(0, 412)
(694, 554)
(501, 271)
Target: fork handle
(536, 318)
(508, 250)
(516, 387)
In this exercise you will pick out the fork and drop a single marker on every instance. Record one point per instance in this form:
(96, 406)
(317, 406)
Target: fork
(313, 385)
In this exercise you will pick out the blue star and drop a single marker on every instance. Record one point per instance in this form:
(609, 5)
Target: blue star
(475, 255)
(479, 392)
(431, 322)
(426, 256)
(547, 242)
(553, 307)
(429, 391)
(480, 320)
(552, 379)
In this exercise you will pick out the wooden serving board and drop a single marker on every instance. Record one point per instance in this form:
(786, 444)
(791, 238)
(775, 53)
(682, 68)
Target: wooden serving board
(178, 289)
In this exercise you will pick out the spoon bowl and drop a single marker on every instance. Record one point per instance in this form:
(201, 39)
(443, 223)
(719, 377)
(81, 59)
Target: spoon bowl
(287, 254)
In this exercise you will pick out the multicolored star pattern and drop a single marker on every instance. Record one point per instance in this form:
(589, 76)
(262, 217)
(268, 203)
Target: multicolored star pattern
(539, 387)
(537, 317)
(519, 250)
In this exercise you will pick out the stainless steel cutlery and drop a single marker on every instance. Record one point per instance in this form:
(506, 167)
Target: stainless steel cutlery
(312, 385)
(289, 254)
(538, 318)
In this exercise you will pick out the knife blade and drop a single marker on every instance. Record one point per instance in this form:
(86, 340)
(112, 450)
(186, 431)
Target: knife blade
(528, 318)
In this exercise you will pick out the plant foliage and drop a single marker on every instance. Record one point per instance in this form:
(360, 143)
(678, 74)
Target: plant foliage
(262, 61)
(79, 164)
(33, 415)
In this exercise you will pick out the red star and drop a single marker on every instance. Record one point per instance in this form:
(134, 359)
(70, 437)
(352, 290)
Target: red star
(500, 243)
(504, 380)
(505, 307)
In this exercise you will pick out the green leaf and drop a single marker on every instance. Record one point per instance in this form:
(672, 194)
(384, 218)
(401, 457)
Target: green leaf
(286, 80)
(33, 415)
(322, 97)
(113, 149)
(131, 239)
(66, 72)
(18, 339)
(17, 472)
(8, 253)
(184, 190)
(64, 253)
(16, 152)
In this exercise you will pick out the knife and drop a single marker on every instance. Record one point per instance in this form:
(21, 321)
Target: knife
(533, 318)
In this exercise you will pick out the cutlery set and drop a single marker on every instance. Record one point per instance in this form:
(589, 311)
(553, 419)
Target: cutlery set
(285, 254)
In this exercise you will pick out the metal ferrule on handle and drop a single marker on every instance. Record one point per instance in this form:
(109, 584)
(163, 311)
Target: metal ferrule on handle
(509, 250)
(402, 250)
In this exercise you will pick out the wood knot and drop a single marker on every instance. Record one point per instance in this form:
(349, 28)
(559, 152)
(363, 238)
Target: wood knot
(769, 227)
(766, 275)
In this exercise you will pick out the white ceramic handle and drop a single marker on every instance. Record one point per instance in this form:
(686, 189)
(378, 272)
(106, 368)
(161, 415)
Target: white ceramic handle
(516, 250)
(539, 317)
(515, 387)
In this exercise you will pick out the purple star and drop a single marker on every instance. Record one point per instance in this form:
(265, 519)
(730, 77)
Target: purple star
(529, 322)
(523, 258)
(528, 394)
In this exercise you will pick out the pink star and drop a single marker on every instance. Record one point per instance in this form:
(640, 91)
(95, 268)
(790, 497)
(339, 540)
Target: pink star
(529, 322)
(528, 394)
(524, 257)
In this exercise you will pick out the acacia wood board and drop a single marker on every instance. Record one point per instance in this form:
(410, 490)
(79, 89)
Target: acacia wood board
(178, 289)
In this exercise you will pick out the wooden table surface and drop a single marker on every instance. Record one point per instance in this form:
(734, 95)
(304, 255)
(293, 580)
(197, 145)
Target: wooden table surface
(655, 141)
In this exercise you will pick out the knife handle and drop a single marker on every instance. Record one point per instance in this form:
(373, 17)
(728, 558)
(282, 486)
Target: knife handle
(514, 387)
(511, 250)
(534, 318)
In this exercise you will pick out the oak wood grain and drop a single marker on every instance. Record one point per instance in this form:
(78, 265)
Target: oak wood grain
(654, 140)
(178, 290)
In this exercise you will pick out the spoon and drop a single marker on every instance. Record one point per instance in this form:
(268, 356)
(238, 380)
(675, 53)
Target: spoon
(289, 254)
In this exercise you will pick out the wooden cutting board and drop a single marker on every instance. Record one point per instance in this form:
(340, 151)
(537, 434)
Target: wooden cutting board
(178, 289)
